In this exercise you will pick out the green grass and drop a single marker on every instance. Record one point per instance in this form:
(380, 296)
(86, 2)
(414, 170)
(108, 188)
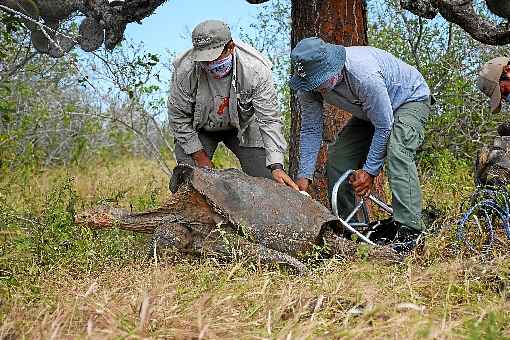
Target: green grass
(62, 281)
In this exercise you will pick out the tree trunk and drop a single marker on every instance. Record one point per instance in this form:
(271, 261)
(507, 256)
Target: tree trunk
(339, 22)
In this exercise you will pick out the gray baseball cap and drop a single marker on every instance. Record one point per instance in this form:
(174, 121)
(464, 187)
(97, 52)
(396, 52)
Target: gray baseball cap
(209, 39)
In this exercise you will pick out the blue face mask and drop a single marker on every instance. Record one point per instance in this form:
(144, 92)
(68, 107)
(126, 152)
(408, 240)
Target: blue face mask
(220, 68)
(329, 84)
(507, 99)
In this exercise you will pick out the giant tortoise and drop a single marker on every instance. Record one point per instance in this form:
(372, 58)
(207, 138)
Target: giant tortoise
(492, 165)
(228, 213)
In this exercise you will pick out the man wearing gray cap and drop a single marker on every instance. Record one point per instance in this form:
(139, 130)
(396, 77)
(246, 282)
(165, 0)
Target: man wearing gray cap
(389, 101)
(223, 91)
(494, 81)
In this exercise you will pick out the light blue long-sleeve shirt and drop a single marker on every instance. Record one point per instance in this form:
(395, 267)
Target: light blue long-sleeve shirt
(374, 84)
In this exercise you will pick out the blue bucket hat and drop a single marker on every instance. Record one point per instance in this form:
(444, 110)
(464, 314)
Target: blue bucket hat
(315, 61)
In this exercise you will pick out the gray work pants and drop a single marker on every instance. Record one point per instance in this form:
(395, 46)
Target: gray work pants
(253, 160)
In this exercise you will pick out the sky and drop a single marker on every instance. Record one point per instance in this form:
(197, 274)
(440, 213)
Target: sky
(171, 25)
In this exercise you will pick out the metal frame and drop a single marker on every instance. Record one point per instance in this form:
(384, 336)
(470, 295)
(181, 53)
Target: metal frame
(360, 205)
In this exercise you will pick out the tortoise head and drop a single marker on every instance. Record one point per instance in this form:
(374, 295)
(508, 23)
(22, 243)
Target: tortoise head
(182, 173)
(100, 217)
(492, 167)
(504, 129)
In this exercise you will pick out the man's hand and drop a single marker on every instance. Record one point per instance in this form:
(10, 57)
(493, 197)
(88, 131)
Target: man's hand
(361, 182)
(201, 159)
(281, 177)
(303, 184)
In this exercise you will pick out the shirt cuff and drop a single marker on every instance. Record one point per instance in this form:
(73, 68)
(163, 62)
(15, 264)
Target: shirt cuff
(276, 166)
(374, 171)
(273, 157)
(302, 174)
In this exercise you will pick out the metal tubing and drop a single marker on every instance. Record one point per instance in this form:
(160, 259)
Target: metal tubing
(380, 203)
(361, 236)
(361, 204)
(365, 212)
(358, 224)
(334, 193)
(351, 215)
(334, 205)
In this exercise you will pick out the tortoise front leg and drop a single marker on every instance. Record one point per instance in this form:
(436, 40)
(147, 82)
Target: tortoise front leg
(348, 249)
(229, 245)
(169, 236)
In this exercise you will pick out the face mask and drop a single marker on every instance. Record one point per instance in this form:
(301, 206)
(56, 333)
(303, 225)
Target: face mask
(329, 84)
(219, 68)
(508, 98)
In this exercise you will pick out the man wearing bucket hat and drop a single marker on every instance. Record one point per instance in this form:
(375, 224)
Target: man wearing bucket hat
(494, 81)
(389, 101)
(222, 91)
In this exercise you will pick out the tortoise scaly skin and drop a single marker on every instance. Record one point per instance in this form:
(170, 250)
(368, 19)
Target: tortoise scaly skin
(228, 214)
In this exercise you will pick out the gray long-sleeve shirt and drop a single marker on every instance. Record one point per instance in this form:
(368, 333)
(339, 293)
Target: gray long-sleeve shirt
(252, 103)
(374, 84)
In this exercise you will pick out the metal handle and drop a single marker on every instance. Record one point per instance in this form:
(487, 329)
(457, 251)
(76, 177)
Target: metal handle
(381, 204)
(334, 206)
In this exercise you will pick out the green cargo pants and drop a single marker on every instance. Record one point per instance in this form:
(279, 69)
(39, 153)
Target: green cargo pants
(351, 149)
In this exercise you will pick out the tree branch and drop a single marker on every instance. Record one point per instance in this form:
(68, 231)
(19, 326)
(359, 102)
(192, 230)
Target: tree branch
(115, 18)
(20, 65)
(422, 8)
(462, 13)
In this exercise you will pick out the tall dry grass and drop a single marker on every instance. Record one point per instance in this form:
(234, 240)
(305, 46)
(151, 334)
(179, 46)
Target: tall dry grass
(440, 292)
(455, 299)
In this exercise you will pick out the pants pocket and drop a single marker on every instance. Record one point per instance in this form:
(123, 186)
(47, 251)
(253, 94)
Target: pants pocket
(407, 134)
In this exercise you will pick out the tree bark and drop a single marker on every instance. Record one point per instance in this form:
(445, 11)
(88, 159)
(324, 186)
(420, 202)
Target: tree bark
(339, 22)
